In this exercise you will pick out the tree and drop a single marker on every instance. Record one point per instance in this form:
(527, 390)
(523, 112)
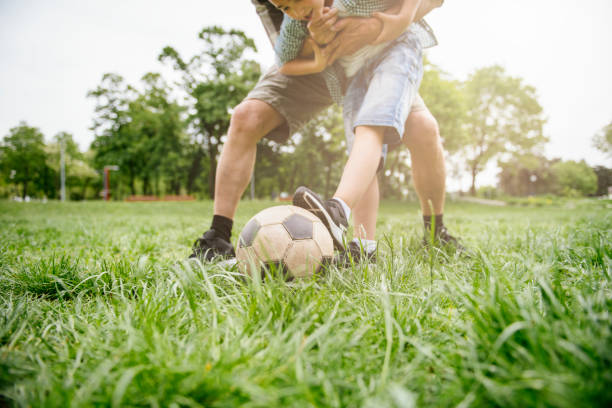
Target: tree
(604, 179)
(114, 142)
(215, 80)
(321, 146)
(602, 141)
(140, 131)
(446, 102)
(24, 158)
(574, 179)
(503, 116)
(79, 173)
(523, 175)
(157, 119)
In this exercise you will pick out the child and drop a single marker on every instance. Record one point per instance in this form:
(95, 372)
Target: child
(378, 82)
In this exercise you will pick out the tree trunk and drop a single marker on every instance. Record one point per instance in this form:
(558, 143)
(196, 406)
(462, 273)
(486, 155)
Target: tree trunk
(146, 188)
(176, 187)
(132, 182)
(84, 188)
(194, 170)
(473, 187)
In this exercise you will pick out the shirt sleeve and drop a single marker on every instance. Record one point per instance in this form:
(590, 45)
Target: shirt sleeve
(290, 40)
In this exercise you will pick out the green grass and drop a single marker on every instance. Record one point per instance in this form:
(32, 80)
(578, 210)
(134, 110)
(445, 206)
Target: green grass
(98, 308)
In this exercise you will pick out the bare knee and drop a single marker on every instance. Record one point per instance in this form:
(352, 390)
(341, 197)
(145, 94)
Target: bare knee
(251, 120)
(422, 132)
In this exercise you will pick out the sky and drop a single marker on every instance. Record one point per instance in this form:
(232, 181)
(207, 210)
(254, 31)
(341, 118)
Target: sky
(53, 51)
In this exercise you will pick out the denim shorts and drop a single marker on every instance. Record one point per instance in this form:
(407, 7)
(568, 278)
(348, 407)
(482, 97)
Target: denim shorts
(298, 99)
(384, 91)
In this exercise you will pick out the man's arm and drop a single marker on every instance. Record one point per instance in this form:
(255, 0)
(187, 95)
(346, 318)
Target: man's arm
(394, 24)
(426, 7)
(353, 33)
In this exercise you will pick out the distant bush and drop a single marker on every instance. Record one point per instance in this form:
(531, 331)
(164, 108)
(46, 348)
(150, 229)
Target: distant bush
(535, 201)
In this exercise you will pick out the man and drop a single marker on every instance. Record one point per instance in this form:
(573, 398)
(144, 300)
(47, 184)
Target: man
(280, 105)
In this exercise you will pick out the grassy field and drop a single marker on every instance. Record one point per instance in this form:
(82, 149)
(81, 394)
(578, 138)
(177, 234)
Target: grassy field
(98, 308)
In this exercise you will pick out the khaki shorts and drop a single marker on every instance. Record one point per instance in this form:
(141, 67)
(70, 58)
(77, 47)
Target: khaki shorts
(298, 99)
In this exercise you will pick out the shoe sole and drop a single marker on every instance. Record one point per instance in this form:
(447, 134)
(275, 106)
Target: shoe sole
(306, 200)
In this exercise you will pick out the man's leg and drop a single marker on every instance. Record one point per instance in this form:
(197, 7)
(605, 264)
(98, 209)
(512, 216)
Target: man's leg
(422, 137)
(277, 107)
(251, 121)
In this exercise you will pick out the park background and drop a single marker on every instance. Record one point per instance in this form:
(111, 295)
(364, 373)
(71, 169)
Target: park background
(545, 64)
(100, 307)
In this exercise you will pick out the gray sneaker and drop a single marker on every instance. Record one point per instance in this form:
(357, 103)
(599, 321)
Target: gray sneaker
(330, 212)
(354, 254)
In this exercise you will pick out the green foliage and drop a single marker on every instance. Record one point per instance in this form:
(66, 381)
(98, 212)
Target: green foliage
(503, 116)
(142, 132)
(446, 102)
(215, 80)
(96, 311)
(80, 175)
(23, 160)
(574, 179)
(537, 175)
(602, 141)
(604, 179)
(524, 175)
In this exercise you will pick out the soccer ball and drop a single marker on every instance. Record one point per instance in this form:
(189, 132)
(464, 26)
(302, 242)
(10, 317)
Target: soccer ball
(288, 237)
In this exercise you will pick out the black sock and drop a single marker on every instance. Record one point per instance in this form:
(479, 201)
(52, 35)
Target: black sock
(427, 222)
(223, 226)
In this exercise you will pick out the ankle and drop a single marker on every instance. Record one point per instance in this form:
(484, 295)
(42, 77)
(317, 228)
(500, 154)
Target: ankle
(223, 226)
(438, 220)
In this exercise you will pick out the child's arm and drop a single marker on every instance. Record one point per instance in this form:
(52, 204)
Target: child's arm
(310, 61)
(396, 22)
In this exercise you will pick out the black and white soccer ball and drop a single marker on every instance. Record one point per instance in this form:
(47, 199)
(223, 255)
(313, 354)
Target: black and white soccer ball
(287, 238)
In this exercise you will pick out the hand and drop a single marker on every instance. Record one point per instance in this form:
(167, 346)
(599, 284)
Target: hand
(321, 26)
(320, 58)
(393, 26)
(353, 34)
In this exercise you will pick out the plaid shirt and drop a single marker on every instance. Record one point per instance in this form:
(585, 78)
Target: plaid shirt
(287, 35)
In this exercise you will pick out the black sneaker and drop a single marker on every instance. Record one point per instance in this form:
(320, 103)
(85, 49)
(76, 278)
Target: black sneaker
(329, 212)
(210, 247)
(444, 238)
(354, 255)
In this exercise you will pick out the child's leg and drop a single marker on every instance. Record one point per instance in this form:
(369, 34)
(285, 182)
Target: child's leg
(361, 166)
(366, 212)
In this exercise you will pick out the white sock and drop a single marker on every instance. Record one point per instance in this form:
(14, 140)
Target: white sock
(368, 245)
(347, 210)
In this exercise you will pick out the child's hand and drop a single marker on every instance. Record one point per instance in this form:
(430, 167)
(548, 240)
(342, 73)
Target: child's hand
(321, 26)
(320, 57)
(393, 26)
